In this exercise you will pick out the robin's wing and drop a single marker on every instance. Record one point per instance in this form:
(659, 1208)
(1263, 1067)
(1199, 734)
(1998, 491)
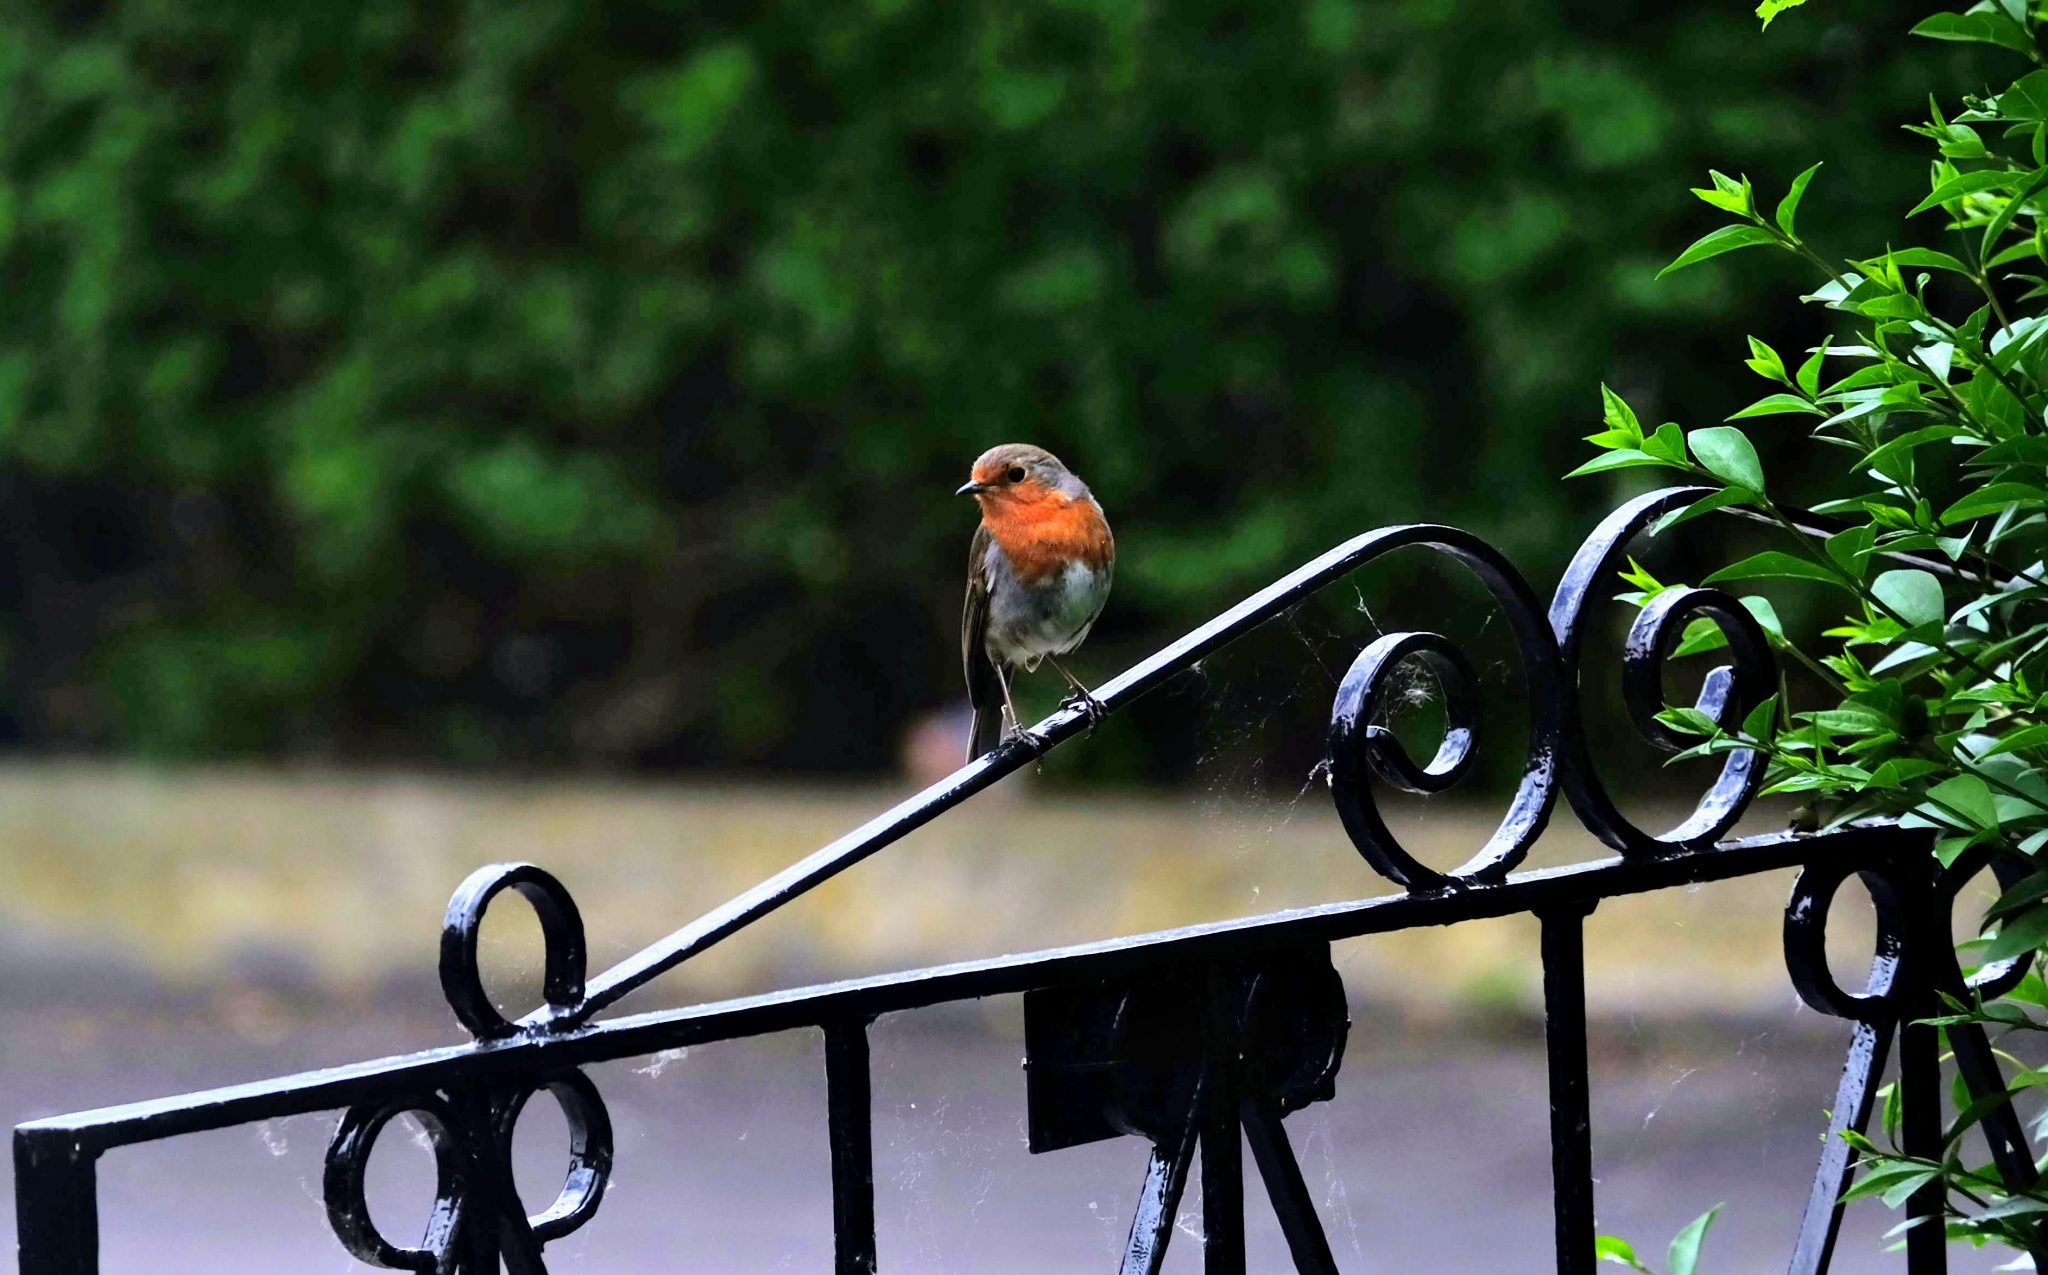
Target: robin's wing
(1101, 552)
(984, 692)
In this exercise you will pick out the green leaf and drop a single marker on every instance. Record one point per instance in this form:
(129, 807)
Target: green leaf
(1966, 796)
(1851, 719)
(1700, 635)
(1774, 564)
(2027, 99)
(1704, 505)
(1905, 443)
(1714, 243)
(2017, 934)
(1788, 207)
(1964, 184)
(1890, 305)
(1994, 499)
(1850, 548)
(1925, 258)
(1903, 654)
(1809, 371)
(2030, 449)
(2004, 216)
(1617, 415)
(1612, 1248)
(1897, 1193)
(1764, 361)
(2024, 250)
(1777, 405)
(1766, 618)
(1690, 720)
(1914, 595)
(1983, 28)
(1726, 201)
(1890, 1174)
(1667, 444)
(1897, 772)
(1770, 9)
(1727, 454)
(1623, 458)
(1640, 577)
(2026, 737)
(1684, 1256)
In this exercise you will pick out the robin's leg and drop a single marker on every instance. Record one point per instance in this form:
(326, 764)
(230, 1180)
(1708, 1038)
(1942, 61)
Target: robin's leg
(1081, 698)
(1038, 742)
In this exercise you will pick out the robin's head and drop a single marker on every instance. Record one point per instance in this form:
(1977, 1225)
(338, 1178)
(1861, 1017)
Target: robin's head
(1018, 473)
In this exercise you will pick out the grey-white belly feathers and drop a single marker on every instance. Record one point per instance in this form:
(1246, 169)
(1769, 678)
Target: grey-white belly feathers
(1050, 617)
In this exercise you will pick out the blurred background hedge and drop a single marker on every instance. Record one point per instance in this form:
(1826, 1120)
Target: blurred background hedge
(518, 383)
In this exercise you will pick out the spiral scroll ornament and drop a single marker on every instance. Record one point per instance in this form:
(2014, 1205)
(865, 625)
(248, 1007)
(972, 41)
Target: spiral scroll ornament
(1729, 692)
(1357, 743)
(1550, 650)
(477, 1219)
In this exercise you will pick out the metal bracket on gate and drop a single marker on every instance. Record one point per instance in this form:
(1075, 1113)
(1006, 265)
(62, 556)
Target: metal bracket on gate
(1197, 1057)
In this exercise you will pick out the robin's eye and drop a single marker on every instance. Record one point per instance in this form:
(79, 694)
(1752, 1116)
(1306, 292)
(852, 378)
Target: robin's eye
(1016, 474)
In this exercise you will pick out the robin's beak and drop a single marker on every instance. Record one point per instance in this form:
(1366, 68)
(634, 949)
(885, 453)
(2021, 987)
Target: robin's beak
(970, 488)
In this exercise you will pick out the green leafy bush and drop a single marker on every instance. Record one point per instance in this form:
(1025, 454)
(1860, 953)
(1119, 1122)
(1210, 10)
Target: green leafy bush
(488, 382)
(1933, 382)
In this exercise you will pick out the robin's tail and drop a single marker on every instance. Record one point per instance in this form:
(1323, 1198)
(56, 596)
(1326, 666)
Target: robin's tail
(988, 730)
(985, 696)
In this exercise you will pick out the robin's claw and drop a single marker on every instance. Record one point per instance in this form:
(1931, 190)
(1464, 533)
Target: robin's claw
(1031, 739)
(1092, 708)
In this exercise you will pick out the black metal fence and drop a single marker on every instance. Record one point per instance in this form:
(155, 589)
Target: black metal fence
(1199, 1040)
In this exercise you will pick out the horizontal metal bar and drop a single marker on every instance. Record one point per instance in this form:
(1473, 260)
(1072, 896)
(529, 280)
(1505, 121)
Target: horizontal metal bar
(648, 1033)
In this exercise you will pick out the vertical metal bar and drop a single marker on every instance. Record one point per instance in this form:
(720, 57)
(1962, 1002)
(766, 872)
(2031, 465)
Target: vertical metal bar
(1854, 1096)
(1920, 1121)
(489, 1197)
(1284, 1185)
(56, 1205)
(849, 1110)
(1925, 930)
(1222, 1136)
(1571, 1124)
(1166, 1176)
(2002, 1131)
(1222, 1190)
(1977, 1063)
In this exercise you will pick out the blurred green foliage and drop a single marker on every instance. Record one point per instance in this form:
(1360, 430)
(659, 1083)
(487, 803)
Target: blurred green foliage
(530, 382)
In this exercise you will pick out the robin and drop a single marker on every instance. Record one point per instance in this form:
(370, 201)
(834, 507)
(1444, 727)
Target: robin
(1037, 575)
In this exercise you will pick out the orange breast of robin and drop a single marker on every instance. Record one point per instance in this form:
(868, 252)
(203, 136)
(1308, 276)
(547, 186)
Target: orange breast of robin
(1041, 537)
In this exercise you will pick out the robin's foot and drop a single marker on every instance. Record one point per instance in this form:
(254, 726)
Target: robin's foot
(1031, 739)
(1090, 707)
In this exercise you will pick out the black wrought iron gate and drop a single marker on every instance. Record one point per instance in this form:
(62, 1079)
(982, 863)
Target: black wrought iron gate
(1199, 1040)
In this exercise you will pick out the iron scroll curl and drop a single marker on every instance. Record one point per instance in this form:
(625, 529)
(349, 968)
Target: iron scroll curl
(1357, 742)
(1550, 649)
(477, 1218)
(565, 955)
(1728, 693)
